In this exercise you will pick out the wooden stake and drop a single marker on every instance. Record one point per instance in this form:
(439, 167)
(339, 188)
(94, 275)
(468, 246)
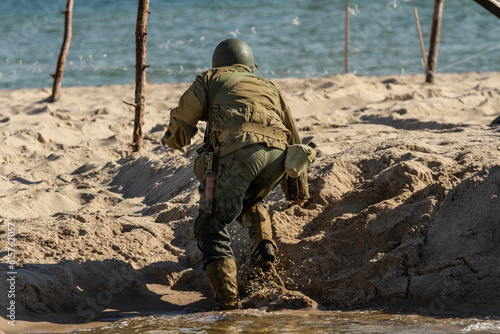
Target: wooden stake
(140, 73)
(434, 45)
(346, 42)
(422, 48)
(61, 61)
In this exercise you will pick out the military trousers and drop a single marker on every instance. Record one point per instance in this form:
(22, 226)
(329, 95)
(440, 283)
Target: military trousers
(244, 178)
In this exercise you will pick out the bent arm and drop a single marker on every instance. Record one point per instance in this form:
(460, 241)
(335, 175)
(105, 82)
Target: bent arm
(294, 189)
(183, 120)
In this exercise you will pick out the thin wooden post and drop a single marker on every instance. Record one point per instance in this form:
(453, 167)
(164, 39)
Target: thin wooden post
(422, 47)
(346, 42)
(61, 61)
(140, 73)
(434, 45)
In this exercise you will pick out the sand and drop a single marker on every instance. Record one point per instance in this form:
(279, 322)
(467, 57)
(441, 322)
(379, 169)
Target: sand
(404, 209)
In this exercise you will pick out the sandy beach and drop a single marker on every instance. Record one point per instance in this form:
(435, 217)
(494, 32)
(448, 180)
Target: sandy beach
(404, 213)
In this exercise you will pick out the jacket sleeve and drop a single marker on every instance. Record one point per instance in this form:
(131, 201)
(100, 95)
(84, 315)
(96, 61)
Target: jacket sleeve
(184, 117)
(295, 189)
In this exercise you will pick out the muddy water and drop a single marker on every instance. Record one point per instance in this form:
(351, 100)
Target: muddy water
(304, 322)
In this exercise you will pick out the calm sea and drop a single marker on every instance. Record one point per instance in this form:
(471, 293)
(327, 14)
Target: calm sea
(289, 38)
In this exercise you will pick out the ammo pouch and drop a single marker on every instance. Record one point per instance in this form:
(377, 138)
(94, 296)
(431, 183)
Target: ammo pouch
(200, 165)
(298, 157)
(295, 189)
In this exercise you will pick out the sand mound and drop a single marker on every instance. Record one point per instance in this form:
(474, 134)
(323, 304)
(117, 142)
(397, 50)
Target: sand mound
(405, 205)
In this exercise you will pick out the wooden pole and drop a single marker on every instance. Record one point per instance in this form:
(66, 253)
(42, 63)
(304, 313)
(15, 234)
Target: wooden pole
(434, 45)
(346, 42)
(422, 47)
(61, 61)
(140, 73)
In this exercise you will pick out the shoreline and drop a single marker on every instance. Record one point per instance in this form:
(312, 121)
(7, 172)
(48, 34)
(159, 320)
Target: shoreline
(446, 75)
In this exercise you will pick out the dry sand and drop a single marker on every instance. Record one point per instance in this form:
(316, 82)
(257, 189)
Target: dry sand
(405, 209)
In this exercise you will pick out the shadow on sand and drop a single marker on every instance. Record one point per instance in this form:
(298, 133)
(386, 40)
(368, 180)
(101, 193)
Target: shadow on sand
(101, 291)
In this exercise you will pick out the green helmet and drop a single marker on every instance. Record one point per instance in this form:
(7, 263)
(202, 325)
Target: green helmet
(233, 51)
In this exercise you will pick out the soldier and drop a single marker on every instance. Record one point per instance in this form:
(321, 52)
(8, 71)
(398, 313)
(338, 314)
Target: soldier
(249, 127)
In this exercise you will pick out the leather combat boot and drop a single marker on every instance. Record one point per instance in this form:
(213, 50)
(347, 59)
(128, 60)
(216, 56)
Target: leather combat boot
(258, 223)
(223, 278)
(264, 255)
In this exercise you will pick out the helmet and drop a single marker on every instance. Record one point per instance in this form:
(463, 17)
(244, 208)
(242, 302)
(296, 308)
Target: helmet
(233, 51)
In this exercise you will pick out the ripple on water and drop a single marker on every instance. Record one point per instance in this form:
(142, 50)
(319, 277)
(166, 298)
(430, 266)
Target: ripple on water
(297, 321)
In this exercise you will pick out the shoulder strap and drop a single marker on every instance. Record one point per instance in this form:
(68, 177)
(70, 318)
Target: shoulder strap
(219, 83)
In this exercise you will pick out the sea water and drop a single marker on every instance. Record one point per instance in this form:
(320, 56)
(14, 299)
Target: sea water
(290, 38)
(303, 322)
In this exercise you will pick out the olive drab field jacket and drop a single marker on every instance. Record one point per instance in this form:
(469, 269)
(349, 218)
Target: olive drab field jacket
(241, 109)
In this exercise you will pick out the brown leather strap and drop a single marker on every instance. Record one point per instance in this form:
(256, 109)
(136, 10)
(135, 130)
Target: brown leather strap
(216, 159)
